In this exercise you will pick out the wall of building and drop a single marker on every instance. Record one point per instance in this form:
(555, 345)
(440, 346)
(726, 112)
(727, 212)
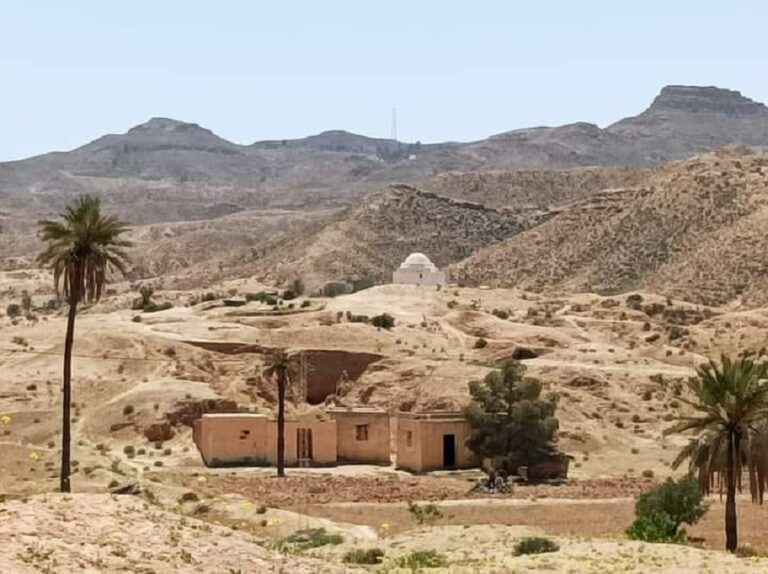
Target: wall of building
(418, 277)
(324, 451)
(408, 450)
(432, 433)
(425, 451)
(248, 439)
(236, 439)
(375, 449)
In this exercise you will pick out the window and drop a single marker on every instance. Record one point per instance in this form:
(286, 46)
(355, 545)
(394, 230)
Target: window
(244, 434)
(408, 438)
(361, 432)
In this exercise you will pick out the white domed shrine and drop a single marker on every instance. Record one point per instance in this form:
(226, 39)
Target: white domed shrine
(417, 269)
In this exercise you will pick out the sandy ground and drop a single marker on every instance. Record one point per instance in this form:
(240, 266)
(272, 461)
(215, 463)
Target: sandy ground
(102, 533)
(617, 372)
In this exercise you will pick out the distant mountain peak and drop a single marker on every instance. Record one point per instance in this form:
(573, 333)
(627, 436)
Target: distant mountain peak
(166, 125)
(696, 99)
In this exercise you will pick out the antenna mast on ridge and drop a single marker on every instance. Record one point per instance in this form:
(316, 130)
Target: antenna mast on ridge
(394, 124)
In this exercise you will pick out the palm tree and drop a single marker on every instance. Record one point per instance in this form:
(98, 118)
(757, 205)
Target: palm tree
(83, 247)
(731, 405)
(280, 367)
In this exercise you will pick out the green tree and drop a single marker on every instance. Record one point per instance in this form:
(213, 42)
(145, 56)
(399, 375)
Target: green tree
(509, 418)
(82, 248)
(281, 368)
(730, 402)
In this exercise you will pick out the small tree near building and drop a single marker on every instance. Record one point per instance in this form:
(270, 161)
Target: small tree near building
(510, 420)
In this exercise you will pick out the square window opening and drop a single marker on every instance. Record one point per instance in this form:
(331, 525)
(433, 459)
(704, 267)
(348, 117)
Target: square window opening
(361, 432)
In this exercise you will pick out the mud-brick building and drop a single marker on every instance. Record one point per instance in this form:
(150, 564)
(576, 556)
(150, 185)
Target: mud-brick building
(242, 439)
(423, 441)
(432, 441)
(362, 435)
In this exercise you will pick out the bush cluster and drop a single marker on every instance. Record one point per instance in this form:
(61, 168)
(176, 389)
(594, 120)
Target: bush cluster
(419, 559)
(535, 545)
(364, 556)
(383, 321)
(661, 512)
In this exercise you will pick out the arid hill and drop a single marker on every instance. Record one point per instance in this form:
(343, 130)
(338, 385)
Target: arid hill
(543, 189)
(693, 229)
(167, 170)
(371, 240)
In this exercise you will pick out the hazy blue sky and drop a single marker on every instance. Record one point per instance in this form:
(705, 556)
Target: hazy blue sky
(73, 70)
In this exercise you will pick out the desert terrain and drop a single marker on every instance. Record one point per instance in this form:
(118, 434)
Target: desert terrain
(612, 360)
(610, 261)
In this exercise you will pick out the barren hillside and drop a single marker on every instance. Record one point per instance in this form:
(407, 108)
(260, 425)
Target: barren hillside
(693, 229)
(546, 189)
(371, 240)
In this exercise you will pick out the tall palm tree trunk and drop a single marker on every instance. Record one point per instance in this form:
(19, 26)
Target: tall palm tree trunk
(281, 426)
(66, 431)
(731, 526)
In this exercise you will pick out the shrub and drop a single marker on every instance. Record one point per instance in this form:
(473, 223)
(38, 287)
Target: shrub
(419, 559)
(288, 295)
(655, 527)
(675, 332)
(129, 450)
(747, 551)
(13, 310)
(383, 321)
(188, 497)
(128, 410)
(306, 303)
(358, 318)
(364, 556)
(169, 352)
(634, 301)
(480, 343)
(311, 538)
(500, 313)
(136, 319)
(424, 513)
(680, 500)
(535, 545)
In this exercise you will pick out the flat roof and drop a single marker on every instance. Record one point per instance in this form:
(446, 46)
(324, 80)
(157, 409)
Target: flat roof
(432, 415)
(357, 410)
(234, 415)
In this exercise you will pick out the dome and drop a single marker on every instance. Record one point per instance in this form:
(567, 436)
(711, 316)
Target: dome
(417, 259)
